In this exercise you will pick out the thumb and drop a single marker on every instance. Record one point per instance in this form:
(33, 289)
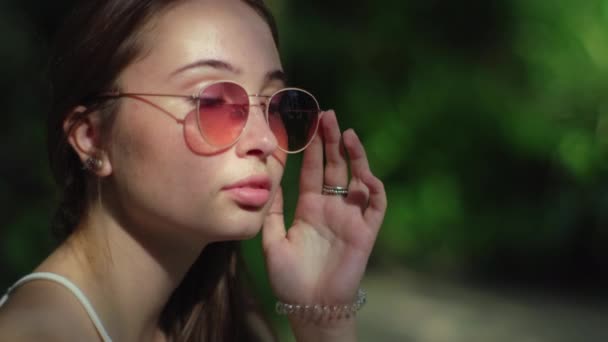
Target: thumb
(273, 230)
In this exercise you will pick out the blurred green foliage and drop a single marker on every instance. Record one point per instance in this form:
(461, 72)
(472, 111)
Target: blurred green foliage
(486, 120)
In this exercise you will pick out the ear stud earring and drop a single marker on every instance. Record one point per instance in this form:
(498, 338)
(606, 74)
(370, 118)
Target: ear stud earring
(93, 164)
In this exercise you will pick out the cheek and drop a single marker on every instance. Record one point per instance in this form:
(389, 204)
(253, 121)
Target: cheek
(148, 154)
(193, 138)
(140, 137)
(157, 180)
(276, 168)
(278, 129)
(281, 157)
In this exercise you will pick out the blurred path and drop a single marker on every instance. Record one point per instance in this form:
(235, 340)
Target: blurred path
(403, 306)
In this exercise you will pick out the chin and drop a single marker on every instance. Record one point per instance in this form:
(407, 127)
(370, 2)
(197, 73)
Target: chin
(249, 234)
(239, 233)
(244, 225)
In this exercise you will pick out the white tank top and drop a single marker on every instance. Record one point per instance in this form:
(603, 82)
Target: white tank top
(70, 286)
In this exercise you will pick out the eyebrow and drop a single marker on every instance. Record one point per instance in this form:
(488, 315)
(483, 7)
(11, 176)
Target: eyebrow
(275, 75)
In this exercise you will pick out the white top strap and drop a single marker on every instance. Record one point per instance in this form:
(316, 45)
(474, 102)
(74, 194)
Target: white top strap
(70, 286)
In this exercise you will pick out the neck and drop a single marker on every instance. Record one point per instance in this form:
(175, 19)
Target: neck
(128, 277)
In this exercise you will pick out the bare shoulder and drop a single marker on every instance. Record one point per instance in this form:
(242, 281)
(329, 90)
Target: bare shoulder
(39, 311)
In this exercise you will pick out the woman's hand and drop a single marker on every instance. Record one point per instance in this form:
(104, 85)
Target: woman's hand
(321, 259)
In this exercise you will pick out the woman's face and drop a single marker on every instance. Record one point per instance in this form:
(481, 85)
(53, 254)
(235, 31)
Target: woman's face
(158, 180)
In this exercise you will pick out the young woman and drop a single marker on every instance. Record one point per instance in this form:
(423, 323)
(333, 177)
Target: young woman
(169, 135)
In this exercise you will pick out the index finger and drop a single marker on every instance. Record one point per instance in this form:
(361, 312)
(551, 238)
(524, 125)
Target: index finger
(374, 214)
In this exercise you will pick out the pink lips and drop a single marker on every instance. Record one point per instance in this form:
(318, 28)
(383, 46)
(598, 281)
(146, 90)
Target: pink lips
(251, 191)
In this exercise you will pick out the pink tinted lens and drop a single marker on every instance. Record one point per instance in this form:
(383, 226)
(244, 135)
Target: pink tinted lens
(222, 113)
(293, 116)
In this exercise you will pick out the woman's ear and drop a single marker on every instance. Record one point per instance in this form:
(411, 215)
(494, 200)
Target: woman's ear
(84, 133)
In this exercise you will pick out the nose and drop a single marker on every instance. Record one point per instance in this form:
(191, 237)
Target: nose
(257, 139)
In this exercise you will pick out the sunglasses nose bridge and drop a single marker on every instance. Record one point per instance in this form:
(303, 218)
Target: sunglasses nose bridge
(257, 133)
(262, 101)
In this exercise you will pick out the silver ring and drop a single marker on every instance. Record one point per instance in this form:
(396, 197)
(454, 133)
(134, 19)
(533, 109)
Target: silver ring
(334, 190)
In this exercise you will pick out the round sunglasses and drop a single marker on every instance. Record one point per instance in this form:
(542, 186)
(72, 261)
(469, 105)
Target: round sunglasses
(223, 107)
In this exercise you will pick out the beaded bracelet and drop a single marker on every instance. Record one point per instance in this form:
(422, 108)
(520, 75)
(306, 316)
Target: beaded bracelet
(318, 311)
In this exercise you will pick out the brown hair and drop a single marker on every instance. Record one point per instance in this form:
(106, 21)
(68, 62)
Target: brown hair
(97, 41)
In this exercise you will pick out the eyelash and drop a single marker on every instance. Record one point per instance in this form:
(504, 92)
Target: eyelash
(192, 100)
